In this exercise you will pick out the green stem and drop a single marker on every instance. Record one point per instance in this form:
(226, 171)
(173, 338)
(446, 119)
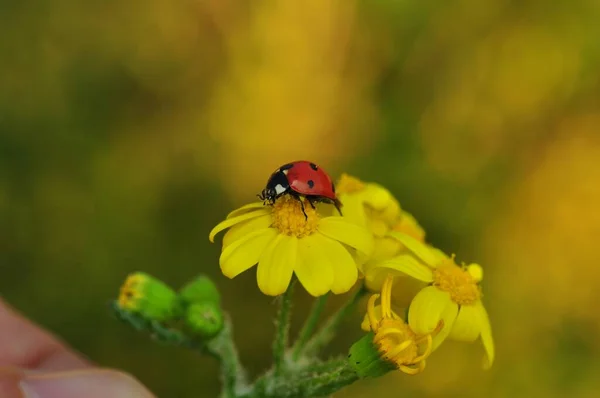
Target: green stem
(322, 380)
(309, 326)
(328, 331)
(232, 373)
(282, 329)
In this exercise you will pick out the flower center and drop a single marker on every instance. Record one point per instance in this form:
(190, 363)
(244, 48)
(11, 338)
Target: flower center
(396, 342)
(457, 281)
(289, 218)
(349, 184)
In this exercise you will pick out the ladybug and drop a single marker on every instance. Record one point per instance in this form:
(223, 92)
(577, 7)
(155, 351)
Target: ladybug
(301, 179)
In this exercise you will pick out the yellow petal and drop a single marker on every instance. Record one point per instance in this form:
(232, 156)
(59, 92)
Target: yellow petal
(245, 252)
(353, 209)
(236, 220)
(314, 268)
(426, 310)
(420, 249)
(466, 326)
(378, 197)
(407, 264)
(345, 272)
(374, 277)
(486, 334)
(246, 208)
(276, 265)
(366, 323)
(385, 249)
(339, 229)
(242, 229)
(409, 225)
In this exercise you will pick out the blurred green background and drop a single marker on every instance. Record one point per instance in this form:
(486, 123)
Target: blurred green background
(129, 128)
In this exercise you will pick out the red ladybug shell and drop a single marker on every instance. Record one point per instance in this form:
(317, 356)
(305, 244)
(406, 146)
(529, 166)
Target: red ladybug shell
(307, 178)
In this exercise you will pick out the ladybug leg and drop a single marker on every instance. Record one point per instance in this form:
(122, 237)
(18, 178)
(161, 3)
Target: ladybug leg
(338, 206)
(312, 202)
(303, 211)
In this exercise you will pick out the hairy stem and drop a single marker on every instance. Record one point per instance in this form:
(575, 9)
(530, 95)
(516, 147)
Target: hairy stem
(282, 329)
(322, 380)
(309, 326)
(232, 373)
(328, 331)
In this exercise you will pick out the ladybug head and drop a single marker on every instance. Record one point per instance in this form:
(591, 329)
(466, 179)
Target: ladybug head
(268, 195)
(276, 186)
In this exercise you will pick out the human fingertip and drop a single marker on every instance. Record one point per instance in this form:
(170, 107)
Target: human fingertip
(96, 383)
(9, 382)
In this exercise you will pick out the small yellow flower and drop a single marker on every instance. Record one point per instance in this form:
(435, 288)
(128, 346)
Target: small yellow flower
(453, 295)
(388, 247)
(321, 251)
(368, 204)
(396, 341)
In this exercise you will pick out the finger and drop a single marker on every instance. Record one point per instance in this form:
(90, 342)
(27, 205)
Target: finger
(89, 383)
(23, 344)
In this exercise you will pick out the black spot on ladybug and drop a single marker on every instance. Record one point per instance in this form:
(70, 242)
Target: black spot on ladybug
(313, 166)
(310, 183)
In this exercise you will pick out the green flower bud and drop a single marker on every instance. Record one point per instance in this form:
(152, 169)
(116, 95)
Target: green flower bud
(148, 297)
(204, 319)
(366, 359)
(200, 290)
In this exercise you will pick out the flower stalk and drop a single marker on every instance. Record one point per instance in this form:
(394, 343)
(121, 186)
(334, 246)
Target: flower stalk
(282, 329)
(320, 381)
(233, 375)
(309, 326)
(332, 325)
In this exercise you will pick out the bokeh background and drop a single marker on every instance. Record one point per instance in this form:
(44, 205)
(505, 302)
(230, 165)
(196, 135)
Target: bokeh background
(129, 128)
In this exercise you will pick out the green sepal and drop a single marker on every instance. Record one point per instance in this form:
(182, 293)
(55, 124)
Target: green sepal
(200, 290)
(149, 298)
(157, 330)
(204, 320)
(366, 359)
(137, 322)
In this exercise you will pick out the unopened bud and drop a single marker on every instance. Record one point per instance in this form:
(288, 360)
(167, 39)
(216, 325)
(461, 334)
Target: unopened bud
(148, 297)
(200, 290)
(204, 319)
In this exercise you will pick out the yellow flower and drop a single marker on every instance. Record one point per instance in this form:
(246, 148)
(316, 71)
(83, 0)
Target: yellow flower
(388, 247)
(368, 204)
(453, 295)
(321, 251)
(374, 207)
(395, 340)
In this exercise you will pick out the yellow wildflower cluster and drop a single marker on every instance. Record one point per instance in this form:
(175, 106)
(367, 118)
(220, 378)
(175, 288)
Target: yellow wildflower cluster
(449, 303)
(375, 238)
